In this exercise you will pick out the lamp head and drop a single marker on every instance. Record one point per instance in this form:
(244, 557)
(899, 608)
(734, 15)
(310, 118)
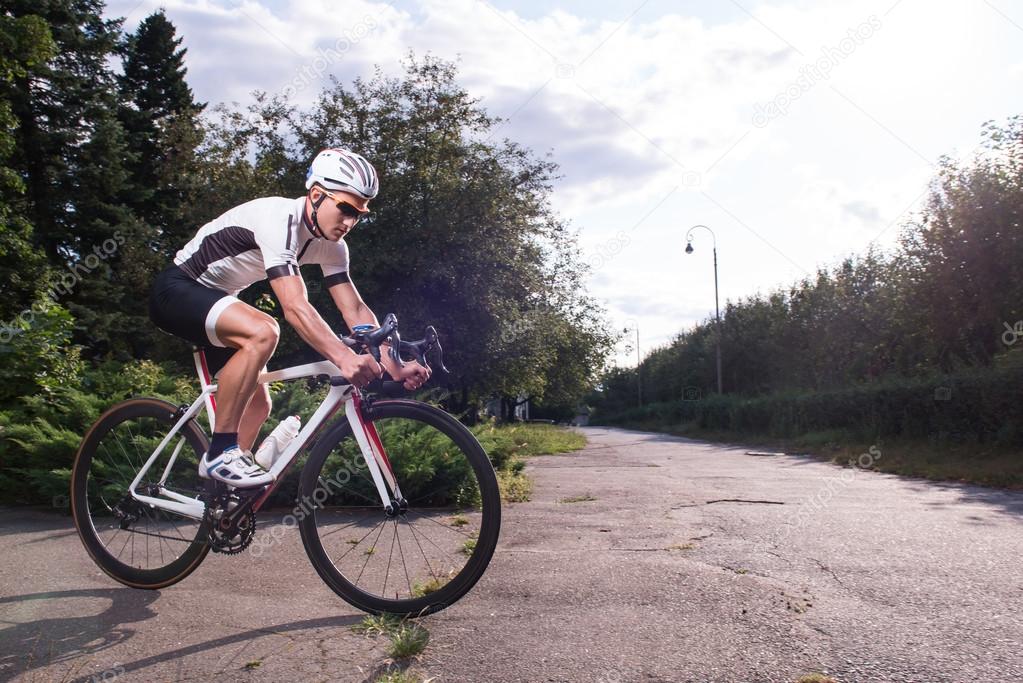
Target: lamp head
(689, 247)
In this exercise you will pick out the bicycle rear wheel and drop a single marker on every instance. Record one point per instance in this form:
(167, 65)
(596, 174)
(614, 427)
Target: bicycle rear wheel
(140, 546)
(429, 554)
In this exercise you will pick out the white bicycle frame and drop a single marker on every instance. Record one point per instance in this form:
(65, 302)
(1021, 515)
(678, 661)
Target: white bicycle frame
(365, 434)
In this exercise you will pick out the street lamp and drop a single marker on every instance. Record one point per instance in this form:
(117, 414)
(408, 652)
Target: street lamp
(717, 310)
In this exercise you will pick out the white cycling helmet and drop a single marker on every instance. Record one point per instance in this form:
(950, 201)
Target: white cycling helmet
(342, 169)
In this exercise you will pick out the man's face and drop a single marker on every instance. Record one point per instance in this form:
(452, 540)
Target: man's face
(334, 224)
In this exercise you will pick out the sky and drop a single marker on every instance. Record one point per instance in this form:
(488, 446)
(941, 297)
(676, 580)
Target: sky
(799, 132)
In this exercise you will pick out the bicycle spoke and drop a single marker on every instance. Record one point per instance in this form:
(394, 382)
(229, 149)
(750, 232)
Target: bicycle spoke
(387, 572)
(354, 545)
(115, 457)
(434, 575)
(346, 526)
(440, 490)
(404, 565)
(446, 526)
(370, 552)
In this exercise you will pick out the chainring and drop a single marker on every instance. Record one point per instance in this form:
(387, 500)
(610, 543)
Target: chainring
(226, 538)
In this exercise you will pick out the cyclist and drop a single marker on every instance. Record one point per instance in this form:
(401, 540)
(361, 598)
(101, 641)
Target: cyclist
(269, 238)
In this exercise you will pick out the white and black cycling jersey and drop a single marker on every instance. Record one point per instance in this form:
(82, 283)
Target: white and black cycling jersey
(262, 239)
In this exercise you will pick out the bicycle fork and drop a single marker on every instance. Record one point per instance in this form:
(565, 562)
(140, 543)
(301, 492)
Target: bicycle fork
(380, 468)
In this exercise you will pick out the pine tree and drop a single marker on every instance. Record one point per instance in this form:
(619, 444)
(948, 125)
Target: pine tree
(25, 44)
(160, 118)
(55, 107)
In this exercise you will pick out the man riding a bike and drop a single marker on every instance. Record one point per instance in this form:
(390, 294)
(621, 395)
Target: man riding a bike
(269, 238)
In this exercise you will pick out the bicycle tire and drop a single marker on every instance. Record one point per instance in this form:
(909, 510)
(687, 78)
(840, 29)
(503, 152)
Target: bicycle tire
(488, 525)
(151, 578)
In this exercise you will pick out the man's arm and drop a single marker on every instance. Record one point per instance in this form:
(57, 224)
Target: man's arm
(355, 312)
(300, 314)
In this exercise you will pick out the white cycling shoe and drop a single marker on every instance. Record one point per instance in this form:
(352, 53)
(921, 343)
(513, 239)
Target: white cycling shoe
(235, 468)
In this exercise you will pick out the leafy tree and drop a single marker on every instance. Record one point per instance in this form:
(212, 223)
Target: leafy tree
(462, 236)
(56, 106)
(25, 45)
(946, 299)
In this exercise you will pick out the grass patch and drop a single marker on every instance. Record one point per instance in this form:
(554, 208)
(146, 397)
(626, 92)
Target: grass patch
(504, 442)
(816, 678)
(469, 546)
(377, 625)
(681, 546)
(401, 676)
(408, 640)
(459, 520)
(585, 498)
(427, 587)
(516, 487)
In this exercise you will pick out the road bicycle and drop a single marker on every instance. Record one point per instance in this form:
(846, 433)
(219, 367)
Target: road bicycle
(397, 503)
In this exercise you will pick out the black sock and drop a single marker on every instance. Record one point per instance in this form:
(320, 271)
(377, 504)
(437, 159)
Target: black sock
(221, 442)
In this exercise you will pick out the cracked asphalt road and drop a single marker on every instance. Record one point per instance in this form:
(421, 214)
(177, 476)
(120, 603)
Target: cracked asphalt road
(694, 562)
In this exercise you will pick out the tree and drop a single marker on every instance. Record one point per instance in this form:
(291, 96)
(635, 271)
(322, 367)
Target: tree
(56, 105)
(949, 297)
(25, 45)
(160, 118)
(462, 236)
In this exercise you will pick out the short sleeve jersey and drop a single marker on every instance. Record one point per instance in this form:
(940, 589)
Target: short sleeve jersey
(262, 239)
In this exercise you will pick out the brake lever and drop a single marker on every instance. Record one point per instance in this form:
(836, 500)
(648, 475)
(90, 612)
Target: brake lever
(433, 341)
(395, 351)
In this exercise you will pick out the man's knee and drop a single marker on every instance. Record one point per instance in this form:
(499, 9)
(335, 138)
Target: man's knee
(265, 336)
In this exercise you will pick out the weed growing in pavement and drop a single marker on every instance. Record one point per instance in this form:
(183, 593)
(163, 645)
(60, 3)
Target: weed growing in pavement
(681, 546)
(408, 640)
(585, 498)
(515, 487)
(377, 625)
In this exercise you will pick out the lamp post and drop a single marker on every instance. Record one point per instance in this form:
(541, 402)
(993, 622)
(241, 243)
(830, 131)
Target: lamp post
(717, 310)
(639, 370)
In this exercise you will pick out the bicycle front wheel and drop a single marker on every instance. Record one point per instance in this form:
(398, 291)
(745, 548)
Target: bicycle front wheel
(431, 551)
(140, 546)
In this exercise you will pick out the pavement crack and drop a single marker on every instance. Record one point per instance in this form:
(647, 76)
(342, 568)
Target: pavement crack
(729, 500)
(829, 570)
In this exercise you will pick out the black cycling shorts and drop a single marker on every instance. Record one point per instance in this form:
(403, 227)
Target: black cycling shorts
(187, 309)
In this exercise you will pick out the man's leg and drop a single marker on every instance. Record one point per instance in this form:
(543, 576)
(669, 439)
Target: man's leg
(254, 334)
(253, 417)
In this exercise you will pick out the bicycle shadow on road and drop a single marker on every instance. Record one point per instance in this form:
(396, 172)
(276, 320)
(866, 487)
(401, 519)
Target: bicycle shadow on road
(35, 643)
(261, 632)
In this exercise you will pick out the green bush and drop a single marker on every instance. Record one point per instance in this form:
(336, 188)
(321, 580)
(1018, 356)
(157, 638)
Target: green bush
(40, 432)
(976, 406)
